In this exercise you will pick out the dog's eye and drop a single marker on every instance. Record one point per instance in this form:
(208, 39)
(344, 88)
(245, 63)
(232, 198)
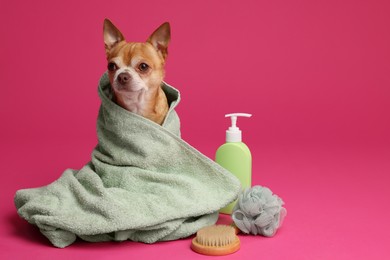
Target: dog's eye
(143, 67)
(112, 66)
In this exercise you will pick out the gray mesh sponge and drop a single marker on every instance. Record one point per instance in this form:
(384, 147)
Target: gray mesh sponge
(259, 212)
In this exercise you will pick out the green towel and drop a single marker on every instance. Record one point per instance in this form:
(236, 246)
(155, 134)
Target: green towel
(144, 183)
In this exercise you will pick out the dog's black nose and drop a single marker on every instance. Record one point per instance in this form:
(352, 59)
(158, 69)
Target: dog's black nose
(123, 78)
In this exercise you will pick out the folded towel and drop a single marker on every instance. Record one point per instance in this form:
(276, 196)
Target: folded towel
(144, 183)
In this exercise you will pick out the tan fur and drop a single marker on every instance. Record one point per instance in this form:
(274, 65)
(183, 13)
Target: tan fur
(143, 94)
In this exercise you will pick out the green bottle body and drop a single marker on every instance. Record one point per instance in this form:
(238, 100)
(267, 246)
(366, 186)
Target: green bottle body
(237, 159)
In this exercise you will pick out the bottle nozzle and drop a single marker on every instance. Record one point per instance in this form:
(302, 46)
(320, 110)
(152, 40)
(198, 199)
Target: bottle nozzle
(233, 134)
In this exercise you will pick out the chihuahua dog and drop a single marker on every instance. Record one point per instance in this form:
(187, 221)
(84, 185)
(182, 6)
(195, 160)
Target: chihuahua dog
(136, 71)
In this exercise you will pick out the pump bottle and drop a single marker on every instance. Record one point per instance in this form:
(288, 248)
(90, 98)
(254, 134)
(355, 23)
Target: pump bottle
(235, 157)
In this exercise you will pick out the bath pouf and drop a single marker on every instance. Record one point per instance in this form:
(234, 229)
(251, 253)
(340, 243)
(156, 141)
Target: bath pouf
(259, 212)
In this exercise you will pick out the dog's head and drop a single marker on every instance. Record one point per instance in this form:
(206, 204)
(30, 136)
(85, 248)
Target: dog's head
(135, 66)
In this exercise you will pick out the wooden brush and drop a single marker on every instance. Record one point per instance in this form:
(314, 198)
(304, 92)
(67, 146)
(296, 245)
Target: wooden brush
(216, 240)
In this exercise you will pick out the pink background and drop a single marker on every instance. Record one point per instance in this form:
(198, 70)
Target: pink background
(314, 74)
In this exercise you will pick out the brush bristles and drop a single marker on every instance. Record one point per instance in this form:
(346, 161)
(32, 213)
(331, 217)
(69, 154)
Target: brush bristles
(216, 236)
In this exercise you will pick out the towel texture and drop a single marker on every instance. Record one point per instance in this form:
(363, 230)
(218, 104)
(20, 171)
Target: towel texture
(143, 183)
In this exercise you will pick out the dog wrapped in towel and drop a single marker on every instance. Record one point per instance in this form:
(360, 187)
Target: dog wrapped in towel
(143, 183)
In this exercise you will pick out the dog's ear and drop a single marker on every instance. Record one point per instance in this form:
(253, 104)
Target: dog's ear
(111, 35)
(160, 39)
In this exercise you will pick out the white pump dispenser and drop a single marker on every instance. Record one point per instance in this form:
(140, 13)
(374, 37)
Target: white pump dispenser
(233, 134)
